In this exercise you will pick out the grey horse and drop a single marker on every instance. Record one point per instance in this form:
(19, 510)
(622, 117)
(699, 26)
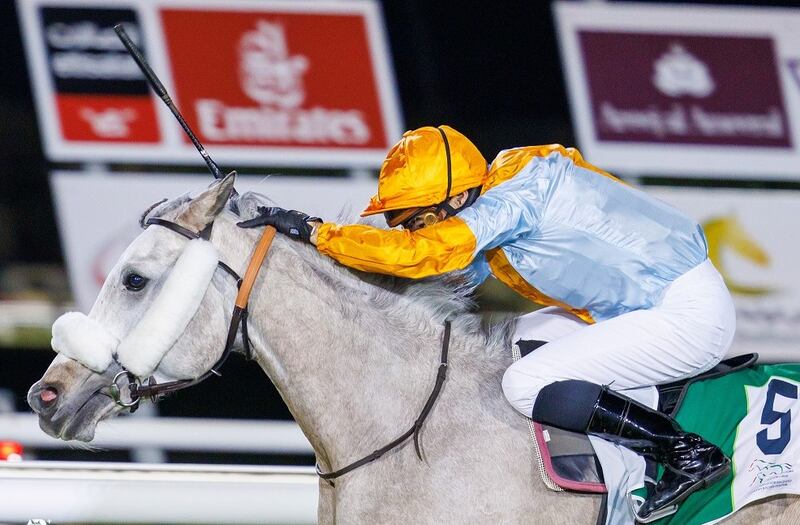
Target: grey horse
(354, 357)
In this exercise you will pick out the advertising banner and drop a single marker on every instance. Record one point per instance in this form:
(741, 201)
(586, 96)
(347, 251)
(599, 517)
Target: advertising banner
(750, 236)
(98, 214)
(100, 95)
(684, 90)
(263, 82)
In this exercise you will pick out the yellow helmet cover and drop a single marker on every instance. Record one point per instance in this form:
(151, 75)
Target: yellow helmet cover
(414, 173)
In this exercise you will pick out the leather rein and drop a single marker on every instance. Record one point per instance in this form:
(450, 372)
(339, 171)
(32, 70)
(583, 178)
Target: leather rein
(441, 375)
(153, 390)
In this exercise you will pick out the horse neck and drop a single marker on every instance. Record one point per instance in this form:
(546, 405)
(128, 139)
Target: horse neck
(353, 376)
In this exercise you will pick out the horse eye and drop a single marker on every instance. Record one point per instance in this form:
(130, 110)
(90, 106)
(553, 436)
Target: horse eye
(134, 282)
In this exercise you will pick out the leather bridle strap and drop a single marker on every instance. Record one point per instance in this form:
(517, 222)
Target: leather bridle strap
(238, 317)
(441, 375)
(259, 254)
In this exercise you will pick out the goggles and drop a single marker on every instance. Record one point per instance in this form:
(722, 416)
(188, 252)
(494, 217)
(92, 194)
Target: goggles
(412, 218)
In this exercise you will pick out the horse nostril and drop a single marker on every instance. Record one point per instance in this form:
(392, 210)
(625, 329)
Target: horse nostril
(48, 396)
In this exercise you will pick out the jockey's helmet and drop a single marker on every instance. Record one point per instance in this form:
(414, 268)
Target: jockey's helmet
(425, 168)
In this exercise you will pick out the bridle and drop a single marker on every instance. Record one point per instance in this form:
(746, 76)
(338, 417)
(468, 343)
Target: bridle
(152, 390)
(245, 286)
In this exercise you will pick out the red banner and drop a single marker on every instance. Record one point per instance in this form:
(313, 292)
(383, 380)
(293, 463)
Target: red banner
(108, 118)
(266, 78)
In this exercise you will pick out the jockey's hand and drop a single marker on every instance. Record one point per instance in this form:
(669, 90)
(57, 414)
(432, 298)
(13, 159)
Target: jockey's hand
(293, 223)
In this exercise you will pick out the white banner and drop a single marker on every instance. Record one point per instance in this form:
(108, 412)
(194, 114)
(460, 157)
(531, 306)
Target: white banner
(684, 90)
(98, 214)
(751, 242)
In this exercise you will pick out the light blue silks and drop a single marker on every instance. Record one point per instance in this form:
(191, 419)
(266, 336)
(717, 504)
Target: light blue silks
(583, 238)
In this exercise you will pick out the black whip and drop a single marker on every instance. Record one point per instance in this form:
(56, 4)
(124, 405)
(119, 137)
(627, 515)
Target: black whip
(161, 91)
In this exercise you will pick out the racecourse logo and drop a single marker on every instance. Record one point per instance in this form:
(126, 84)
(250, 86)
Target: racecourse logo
(679, 73)
(269, 74)
(725, 233)
(766, 472)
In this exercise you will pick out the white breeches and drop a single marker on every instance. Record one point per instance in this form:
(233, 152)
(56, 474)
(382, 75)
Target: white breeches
(688, 332)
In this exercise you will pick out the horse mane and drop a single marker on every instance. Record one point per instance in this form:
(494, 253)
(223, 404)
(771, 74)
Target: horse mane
(448, 296)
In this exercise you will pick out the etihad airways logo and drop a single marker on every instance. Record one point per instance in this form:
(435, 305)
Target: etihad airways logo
(270, 75)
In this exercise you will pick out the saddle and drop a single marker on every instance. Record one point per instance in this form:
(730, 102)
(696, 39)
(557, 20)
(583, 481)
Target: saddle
(567, 461)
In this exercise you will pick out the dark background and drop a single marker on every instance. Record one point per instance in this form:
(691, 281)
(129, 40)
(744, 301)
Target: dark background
(490, 69)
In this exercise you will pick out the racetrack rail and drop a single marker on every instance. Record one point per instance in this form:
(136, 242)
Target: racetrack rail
(68, 492)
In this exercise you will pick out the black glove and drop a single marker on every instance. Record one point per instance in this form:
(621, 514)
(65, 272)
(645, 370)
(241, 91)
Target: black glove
(289, 222)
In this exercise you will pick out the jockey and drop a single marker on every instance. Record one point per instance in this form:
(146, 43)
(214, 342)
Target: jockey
(632, 298)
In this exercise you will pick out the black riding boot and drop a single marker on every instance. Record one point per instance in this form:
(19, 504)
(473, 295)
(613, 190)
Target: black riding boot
(690, 462)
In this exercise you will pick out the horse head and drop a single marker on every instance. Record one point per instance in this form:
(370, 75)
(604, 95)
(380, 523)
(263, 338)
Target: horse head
(160, 314)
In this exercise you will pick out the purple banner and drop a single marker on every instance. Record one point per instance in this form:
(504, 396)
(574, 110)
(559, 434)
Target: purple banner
(684, 89)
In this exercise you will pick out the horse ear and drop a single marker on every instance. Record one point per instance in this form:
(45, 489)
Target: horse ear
(203, 209)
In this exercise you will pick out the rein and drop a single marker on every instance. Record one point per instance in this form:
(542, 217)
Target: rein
(441, 375)
(137, 391)
(238, 319)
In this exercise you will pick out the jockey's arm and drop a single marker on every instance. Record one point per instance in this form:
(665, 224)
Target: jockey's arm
(443, 247)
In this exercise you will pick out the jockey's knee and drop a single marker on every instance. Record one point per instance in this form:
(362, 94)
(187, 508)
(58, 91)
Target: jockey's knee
(521, 388)
(550, 398)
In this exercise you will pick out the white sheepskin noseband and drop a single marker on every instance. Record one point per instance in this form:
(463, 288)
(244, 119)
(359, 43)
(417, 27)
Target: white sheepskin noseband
(81, 338)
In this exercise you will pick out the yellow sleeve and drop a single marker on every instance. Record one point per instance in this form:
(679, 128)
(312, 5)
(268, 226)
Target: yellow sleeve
(433, 250)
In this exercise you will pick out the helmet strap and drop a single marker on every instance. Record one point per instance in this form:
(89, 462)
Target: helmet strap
(445, 205)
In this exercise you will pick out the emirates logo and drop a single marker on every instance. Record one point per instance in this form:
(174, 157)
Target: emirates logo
(269, 75)
(272, 76)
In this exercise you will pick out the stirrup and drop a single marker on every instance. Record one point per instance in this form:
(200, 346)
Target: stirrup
(636, 502)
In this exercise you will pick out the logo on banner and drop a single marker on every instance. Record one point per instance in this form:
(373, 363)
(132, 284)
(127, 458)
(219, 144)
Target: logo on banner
(110, 123)
(679, 73)
(662, 88)
(100, 94)
(269, 74)
(277, 79)
(725, 233)
(272, 77)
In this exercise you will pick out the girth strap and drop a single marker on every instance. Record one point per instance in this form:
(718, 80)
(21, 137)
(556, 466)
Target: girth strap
(441, 375)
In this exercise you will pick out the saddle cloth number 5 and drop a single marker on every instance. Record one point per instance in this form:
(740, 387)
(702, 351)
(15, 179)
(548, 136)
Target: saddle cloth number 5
(769, 416)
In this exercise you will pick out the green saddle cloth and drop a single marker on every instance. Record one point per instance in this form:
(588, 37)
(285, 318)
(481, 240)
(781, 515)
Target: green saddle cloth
(754, 416)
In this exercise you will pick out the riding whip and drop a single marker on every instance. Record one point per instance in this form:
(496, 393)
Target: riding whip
(161, 91)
